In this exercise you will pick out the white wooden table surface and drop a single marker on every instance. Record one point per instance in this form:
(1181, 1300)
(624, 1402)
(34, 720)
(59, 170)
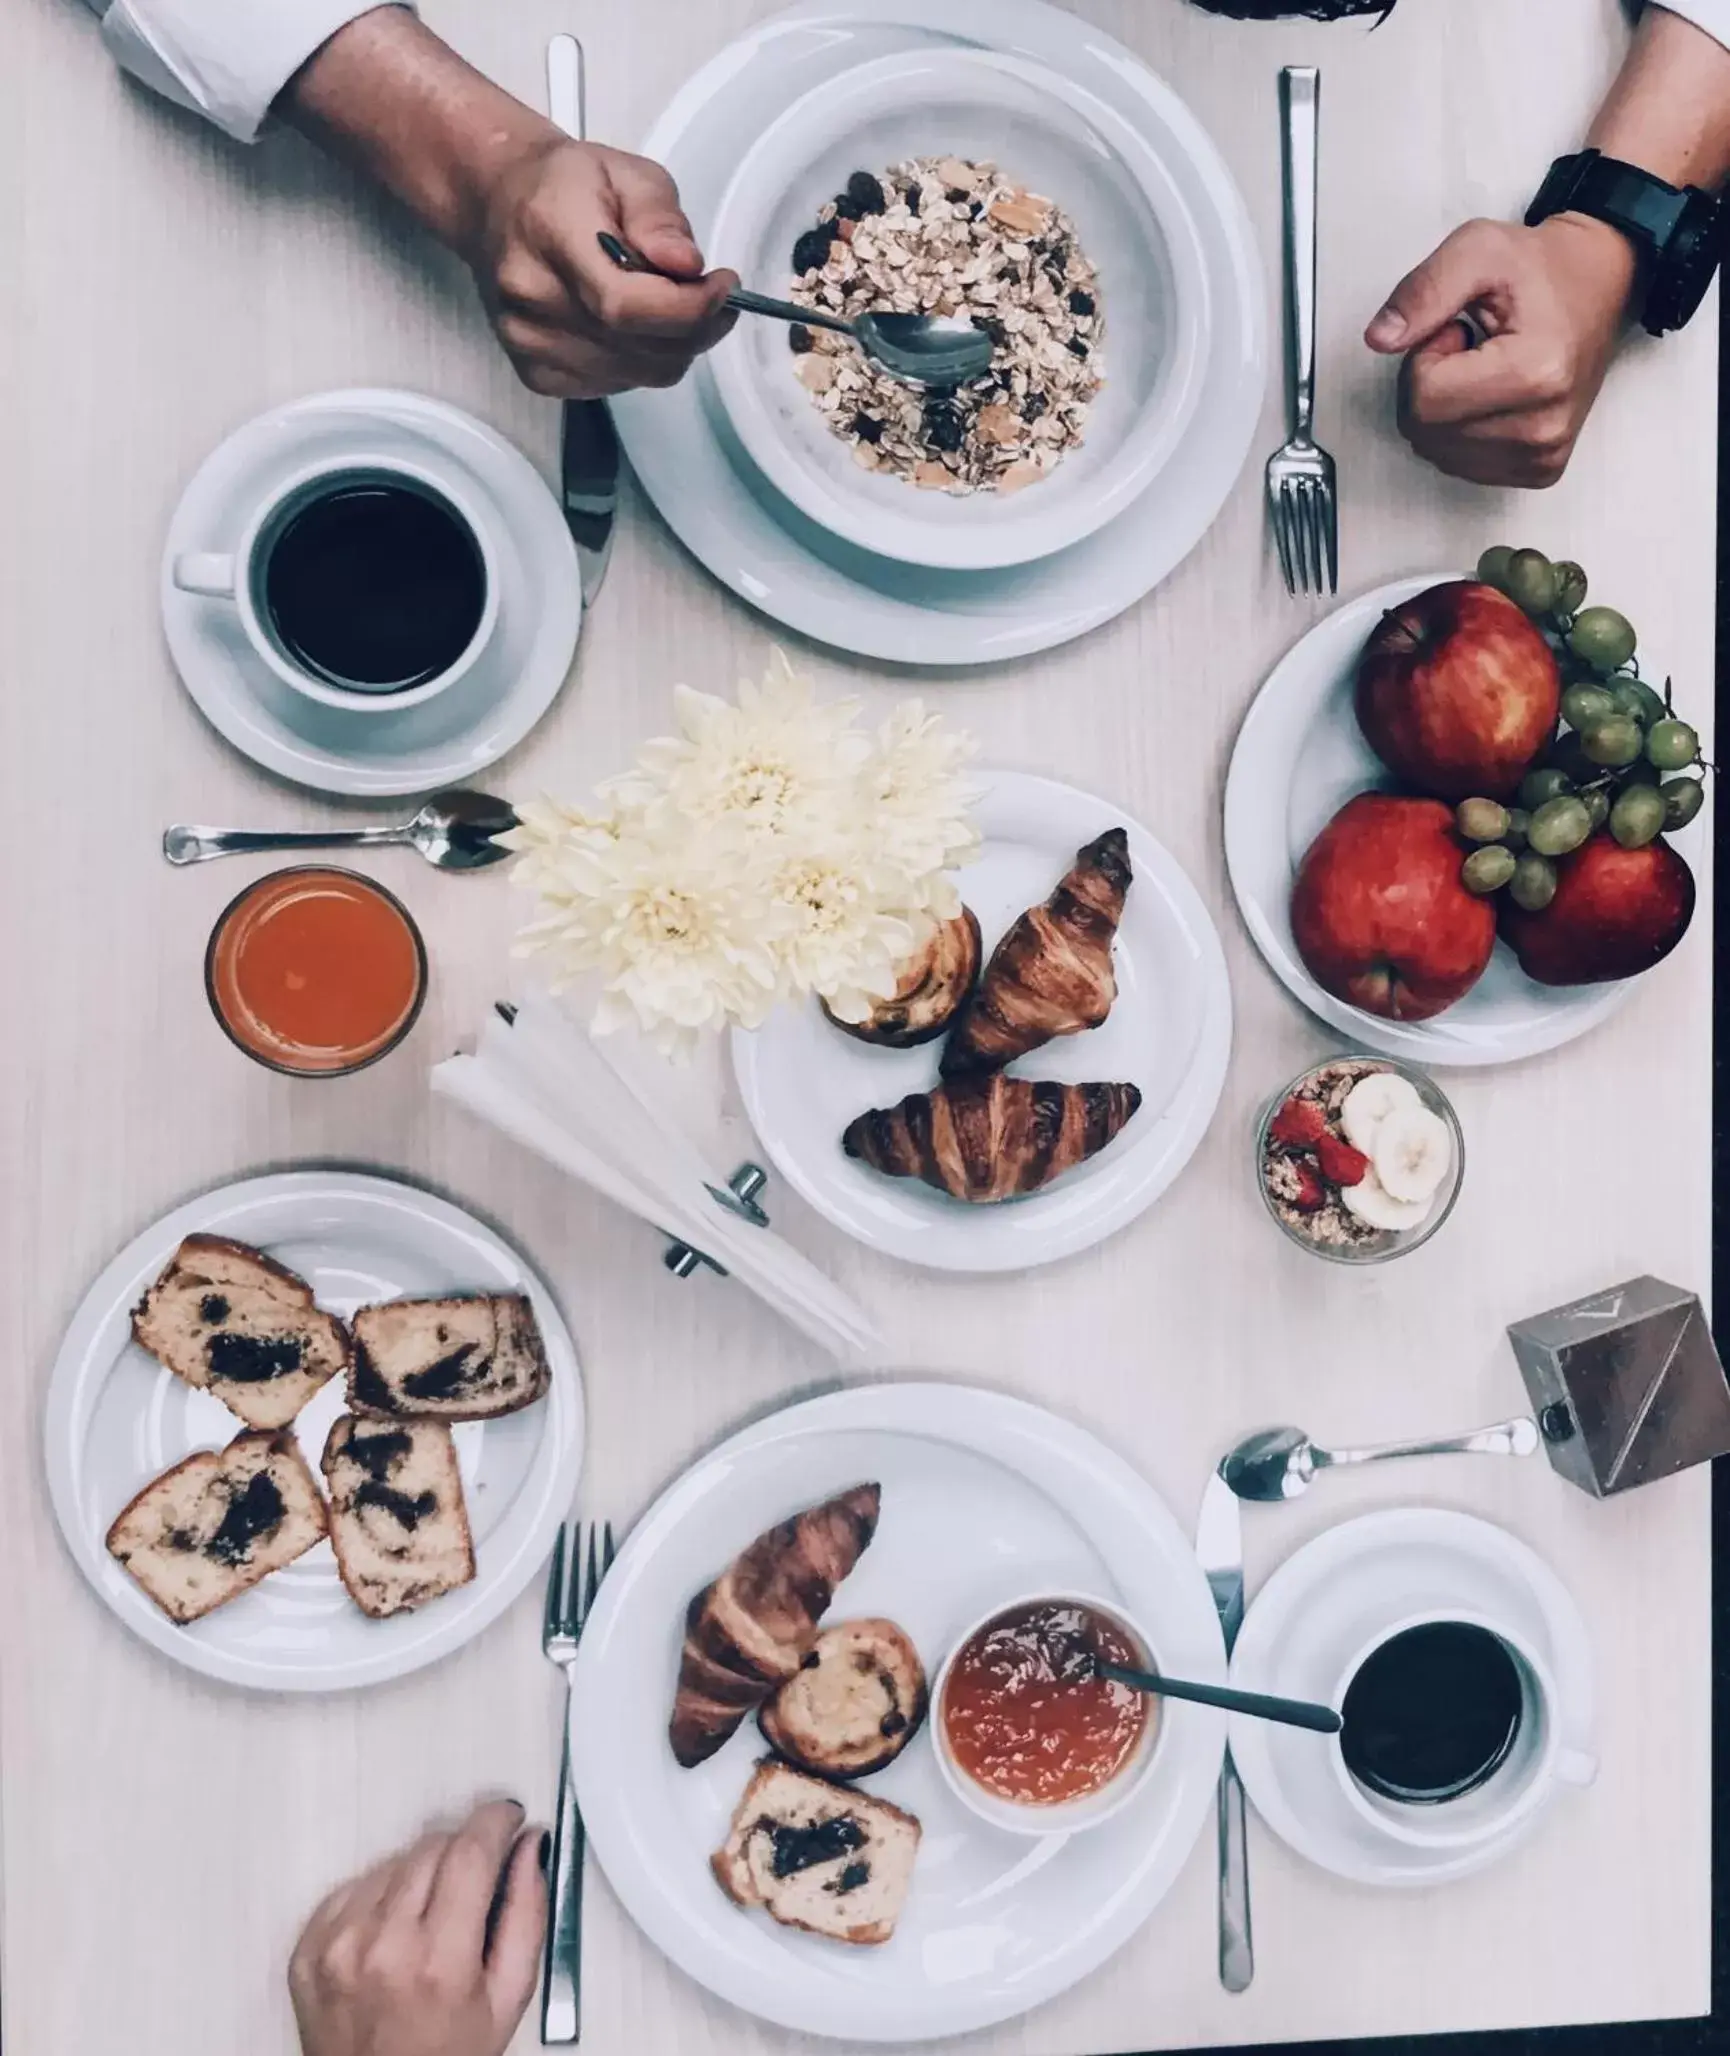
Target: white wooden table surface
(163, 1838)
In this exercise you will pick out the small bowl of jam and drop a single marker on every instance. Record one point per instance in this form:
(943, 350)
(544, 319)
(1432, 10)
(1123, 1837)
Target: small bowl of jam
(1027, 1734)
(316, 971)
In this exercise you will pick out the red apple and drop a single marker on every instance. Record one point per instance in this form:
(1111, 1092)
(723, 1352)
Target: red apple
(1616, 913)
(1379, 913)
(1457, 692)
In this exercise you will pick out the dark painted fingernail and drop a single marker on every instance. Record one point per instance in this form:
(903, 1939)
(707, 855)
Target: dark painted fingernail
(544, 1855)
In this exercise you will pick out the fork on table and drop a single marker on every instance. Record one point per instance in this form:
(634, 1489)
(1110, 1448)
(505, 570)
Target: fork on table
(571, 1589)
(1302, 499)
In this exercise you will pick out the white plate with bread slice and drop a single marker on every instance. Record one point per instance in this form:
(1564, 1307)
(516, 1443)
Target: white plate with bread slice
(313, 1430)
(1046, 1074)
(751, 1731)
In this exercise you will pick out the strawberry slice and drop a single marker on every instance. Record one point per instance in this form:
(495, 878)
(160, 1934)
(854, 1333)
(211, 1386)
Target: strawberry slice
(1341, 1164)
(1311, 1194)
(1299, 1124)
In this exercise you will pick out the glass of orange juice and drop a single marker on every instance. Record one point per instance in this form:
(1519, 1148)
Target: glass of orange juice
(316, 971)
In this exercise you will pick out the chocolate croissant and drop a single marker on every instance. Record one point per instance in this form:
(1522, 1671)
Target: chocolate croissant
(1052, 973)
(985, 1139)
(748, 1632)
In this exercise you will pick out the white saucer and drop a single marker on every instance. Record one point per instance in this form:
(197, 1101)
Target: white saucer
(803, 1080)
(783, 564)
(449, 738)
(1298, 758)
(985, 1499)
(1384, 1567)
(117, 1419)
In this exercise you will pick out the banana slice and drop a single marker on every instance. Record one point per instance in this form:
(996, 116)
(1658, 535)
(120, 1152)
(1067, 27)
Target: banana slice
(1370, 1102)
(1413, 1153)
(1374, 1205)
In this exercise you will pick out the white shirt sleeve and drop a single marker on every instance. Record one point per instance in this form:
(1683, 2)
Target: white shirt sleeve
(226, 59)
(1711, 15)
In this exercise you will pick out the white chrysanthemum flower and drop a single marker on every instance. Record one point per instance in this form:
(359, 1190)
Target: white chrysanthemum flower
(844, 941)
(919, 800)
(679, 931)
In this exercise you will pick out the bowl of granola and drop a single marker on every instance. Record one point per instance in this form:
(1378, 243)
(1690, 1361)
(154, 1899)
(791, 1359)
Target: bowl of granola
(1360, 1159)
(966, 183)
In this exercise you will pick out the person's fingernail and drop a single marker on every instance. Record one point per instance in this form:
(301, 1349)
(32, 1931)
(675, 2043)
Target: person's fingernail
(544, 1855)
(1387, 328)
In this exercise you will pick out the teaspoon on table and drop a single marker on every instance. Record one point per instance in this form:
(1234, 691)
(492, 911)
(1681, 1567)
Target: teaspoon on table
(918, 349)
(454, 830)
(1291, 1713)
(1281, 1463)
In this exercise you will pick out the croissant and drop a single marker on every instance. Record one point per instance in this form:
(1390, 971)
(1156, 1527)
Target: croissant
(1052, 973)
(749, 1631)
(992, 1138)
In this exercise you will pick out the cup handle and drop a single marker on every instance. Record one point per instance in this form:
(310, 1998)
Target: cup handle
(1575, 1767)
(199, 572)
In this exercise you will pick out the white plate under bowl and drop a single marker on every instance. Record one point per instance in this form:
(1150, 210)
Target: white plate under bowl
(985, 1498)
(1330, 1598)
(1051, 136)
(370, 753)
(803, 1080)
(1299, 757)
(117, 1419)
(758, 544)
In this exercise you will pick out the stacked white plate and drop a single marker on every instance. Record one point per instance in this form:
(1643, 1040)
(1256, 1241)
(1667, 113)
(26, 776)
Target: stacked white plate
(739, 463)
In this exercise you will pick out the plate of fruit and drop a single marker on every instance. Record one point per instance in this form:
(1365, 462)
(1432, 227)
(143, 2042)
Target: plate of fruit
(1458, 812)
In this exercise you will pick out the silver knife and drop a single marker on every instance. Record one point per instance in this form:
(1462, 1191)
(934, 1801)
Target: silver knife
(589, 444)
(1219, 1546)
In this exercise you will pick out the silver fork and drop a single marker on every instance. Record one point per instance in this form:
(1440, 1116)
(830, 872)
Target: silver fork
(570, 1594)
(1302, 501)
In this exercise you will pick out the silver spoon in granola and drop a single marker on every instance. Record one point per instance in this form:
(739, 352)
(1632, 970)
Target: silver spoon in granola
(918, 349)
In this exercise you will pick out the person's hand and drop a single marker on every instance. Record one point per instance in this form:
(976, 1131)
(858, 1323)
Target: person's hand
(435, 1953)
(570, 320)
(1549, 302)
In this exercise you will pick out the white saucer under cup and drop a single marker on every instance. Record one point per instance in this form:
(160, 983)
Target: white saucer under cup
(429, 739)
(1169, 1033)
(776, 559)
(117, 1418)
(1299, 757)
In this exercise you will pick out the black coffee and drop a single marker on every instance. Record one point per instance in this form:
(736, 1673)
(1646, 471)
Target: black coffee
(374, 586)
(1432, 1713)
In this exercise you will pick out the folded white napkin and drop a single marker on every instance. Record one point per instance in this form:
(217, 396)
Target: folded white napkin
(544, 1082)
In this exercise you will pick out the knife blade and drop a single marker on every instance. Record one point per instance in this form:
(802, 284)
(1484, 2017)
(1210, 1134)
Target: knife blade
(588, 441)
(1219, 1549)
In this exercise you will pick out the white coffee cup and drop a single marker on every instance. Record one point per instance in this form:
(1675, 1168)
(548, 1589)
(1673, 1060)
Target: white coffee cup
(236, 576)
(1535, 1764)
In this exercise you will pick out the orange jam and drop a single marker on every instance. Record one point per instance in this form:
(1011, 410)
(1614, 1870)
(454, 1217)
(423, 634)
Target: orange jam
(316, 971)
(1025, 1715)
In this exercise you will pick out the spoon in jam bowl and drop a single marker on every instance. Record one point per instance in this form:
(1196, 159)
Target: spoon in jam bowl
(919, 349)
(1291, 1713)
(454, 830)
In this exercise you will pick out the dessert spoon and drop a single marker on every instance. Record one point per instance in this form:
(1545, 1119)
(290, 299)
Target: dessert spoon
(1291, 1713)
(454, 830)
(1281, 1463)
(918, 349)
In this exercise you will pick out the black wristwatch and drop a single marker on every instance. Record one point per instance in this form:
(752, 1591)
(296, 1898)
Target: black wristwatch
(1678, 232)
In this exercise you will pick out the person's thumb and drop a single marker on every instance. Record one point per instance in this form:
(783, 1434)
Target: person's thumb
(1426, 300)
(651, 220)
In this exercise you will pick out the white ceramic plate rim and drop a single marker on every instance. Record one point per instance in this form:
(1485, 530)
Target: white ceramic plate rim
(1268, 1616)
(1257, 789)
(992, 1239)
(534, 673)
(1093, 1485)
(964, 618)
(100, 1329)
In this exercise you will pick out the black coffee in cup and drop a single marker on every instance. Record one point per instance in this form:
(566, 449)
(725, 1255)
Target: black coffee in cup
(372, 583)
(1433, 1713)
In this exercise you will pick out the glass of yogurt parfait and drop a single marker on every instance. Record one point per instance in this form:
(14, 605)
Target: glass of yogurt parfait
(1359, 1159)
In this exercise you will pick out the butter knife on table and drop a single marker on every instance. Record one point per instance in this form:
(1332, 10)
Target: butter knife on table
(1219, 1546)
(589, 444)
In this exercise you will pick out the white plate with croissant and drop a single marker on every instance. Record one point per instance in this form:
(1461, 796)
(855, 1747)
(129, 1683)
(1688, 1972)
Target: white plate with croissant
(1040, 1079)
(751, 1730)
